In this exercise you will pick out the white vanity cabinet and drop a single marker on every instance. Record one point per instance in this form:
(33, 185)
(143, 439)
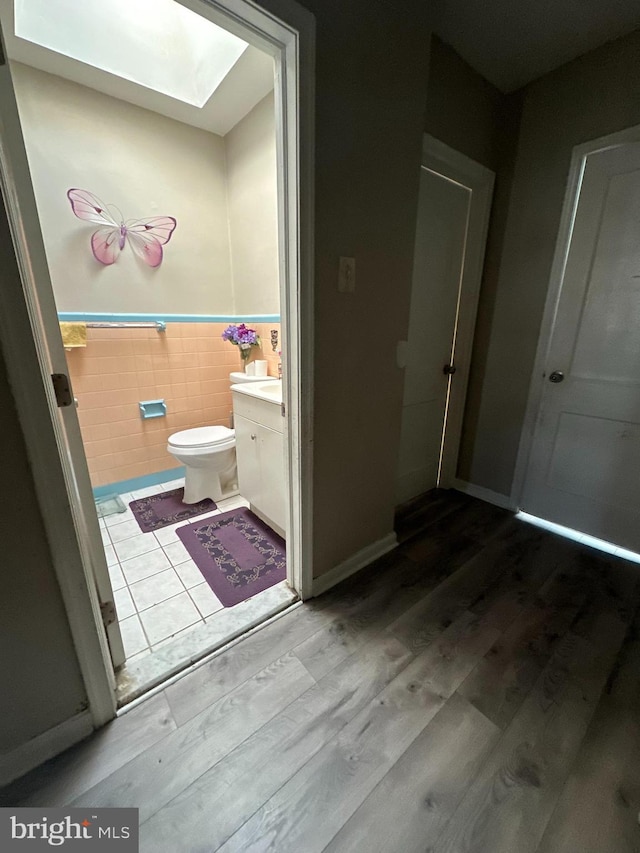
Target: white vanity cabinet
(258, 425)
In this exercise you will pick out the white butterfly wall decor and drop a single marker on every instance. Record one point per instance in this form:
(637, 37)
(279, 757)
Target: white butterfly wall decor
(145, 236)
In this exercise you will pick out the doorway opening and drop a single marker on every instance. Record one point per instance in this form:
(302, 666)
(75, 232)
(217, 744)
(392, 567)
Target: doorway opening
(145, 320)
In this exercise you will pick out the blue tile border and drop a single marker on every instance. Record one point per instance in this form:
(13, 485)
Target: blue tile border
(138, 482)
(83, 317)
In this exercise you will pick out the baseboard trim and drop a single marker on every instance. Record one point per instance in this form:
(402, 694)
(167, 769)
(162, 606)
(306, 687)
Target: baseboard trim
(136, 483)
(41, 748)
(488, 495)
(353, 564)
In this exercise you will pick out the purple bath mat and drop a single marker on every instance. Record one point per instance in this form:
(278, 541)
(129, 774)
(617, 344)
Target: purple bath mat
(166, 508)
(238, 554)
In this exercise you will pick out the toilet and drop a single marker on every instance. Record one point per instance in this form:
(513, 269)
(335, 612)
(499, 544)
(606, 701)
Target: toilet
(209, 456)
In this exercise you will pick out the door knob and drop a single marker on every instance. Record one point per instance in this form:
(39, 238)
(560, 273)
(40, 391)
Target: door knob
(556, 376)
(448, 370)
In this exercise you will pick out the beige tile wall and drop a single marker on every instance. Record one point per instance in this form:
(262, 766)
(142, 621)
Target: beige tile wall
(188, 366)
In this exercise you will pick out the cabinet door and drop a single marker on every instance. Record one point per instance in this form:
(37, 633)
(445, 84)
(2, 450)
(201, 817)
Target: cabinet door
(247, 458)
(273, 490)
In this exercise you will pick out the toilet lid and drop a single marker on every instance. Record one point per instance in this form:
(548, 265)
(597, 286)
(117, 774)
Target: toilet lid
(201, 436)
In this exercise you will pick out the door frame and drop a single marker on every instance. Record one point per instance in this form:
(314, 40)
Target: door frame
(577, 166)
(458, 168)
(288, 33)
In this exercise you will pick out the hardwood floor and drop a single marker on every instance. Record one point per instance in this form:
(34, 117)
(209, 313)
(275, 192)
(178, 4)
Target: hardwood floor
(475, 691)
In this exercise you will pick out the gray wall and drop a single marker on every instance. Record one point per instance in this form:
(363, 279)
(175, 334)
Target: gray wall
(463, 109)
(371, 73)
(592, 96)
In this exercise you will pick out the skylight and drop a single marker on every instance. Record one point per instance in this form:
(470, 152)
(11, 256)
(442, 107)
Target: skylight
(156, 43)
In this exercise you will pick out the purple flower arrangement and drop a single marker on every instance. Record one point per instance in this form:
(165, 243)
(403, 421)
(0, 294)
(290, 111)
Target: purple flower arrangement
(243, 338)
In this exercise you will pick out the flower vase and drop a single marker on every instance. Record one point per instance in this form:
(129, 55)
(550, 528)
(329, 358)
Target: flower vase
(245, 355)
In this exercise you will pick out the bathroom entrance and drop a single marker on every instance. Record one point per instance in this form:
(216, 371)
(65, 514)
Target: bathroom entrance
(176, 332)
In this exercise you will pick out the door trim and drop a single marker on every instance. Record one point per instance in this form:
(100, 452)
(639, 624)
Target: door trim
(287, 30)
(565, 231)
(28, 358)
(457, 167)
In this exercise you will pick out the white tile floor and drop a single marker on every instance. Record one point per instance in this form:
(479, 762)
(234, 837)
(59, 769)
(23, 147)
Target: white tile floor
(159, 591)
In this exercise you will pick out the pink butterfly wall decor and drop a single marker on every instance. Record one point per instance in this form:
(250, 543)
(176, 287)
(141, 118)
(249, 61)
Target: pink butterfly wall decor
(145, 236)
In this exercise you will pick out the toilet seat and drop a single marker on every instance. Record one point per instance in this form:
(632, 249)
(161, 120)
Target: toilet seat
(217, 437)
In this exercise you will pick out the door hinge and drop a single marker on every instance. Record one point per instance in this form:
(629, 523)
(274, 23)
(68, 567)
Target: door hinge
(62, 389)
(283, 410)
(108, 613)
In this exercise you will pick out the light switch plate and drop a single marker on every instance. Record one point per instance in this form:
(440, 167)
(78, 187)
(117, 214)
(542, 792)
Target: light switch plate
(347, 275)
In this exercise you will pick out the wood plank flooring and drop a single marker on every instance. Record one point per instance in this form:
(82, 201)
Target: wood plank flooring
(475, 691)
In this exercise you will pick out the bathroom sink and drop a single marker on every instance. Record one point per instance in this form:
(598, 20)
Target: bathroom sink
(270, 390)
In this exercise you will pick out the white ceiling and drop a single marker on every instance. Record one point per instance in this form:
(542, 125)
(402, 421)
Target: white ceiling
(248, 82)
(512, 42)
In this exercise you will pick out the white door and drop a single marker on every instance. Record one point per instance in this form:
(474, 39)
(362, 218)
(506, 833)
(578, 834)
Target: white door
(453, 207)
(21, 208)
(584, 467)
